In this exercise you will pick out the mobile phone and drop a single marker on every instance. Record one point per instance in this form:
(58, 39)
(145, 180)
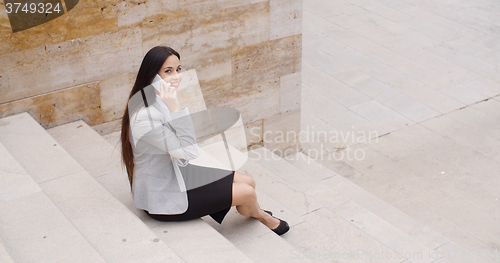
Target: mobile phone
(156, 83)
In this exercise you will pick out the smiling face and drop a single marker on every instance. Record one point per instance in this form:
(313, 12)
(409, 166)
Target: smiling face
(171, 71)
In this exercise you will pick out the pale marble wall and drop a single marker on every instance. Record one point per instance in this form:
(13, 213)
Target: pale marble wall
(247, 55)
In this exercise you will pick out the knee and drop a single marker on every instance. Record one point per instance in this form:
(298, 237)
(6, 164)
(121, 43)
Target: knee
(243, 178)
(248, 193)
(251, 182)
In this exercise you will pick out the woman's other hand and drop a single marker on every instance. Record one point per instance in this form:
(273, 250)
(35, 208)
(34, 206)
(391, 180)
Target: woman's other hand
(168, 95)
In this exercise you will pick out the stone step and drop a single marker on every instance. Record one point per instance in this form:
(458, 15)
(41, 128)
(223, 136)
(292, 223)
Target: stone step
(407, 224)
(381, 166)
(299, 204)
(346, 190)
(333, 226)
(4, 255)
(247, 234)
(252, 237)
(375, 205)
(105, 224)
(315, 244)
(342, 206)
(32, 228)
(102, 160)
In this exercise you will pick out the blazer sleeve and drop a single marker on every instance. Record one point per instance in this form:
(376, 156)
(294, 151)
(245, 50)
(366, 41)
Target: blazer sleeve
(176, 137)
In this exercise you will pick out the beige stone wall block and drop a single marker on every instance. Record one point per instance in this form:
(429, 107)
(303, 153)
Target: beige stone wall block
(91, 17)
(266, 61)
(213, 70)
(190, 94)
(233, 3)
(253, 104)
(40, 70)
(286, 18)
(281, 133)
(77, 103)
(88, 18)
(200, 5)
(114, 95)
(198, 33)
(290, 90)
(253, 131)
(132, 13)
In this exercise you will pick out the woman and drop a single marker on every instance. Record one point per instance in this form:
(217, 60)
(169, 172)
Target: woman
(158, 140)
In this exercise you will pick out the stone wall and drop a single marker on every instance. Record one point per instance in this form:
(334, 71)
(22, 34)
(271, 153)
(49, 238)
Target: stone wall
(82, 65)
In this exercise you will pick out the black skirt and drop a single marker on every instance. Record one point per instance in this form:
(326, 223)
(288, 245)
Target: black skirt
(210, 192)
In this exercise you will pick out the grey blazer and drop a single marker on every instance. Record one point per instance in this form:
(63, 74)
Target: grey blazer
(158, 186)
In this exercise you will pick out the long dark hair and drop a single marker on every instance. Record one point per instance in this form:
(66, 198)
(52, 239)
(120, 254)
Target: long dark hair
(150, 66)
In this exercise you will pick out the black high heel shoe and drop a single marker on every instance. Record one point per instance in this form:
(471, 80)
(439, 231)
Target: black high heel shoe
(282, 228)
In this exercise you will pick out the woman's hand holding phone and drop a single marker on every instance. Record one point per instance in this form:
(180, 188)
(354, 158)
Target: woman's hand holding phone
(169, 96)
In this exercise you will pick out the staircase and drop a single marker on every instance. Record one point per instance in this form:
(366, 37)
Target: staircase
(53, 209)
(65, 198)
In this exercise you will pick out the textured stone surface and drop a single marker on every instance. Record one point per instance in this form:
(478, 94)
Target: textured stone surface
(16, 182)
(25, 140)
(200, 28)
(267, 61)
(350, 237)
(88, 18)
(281, 133)
(236, 136)
(290, 92)
(205, 34)
(269, 247)
(132, 13)
(114, 95)
(440, 172)
(39, 70)
(286, 18)
(302, 181)
(74, 137)
(46, 236)
(210, 246)
(294, 200)
(124, 240)
(63, 106)
(254, 104)
(227, 42)
(205, 244)
(213, 70)
(254, 133)
(4, 255)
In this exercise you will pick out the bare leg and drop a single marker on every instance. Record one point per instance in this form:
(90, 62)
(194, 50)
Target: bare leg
(243, 178)
(245, 200)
